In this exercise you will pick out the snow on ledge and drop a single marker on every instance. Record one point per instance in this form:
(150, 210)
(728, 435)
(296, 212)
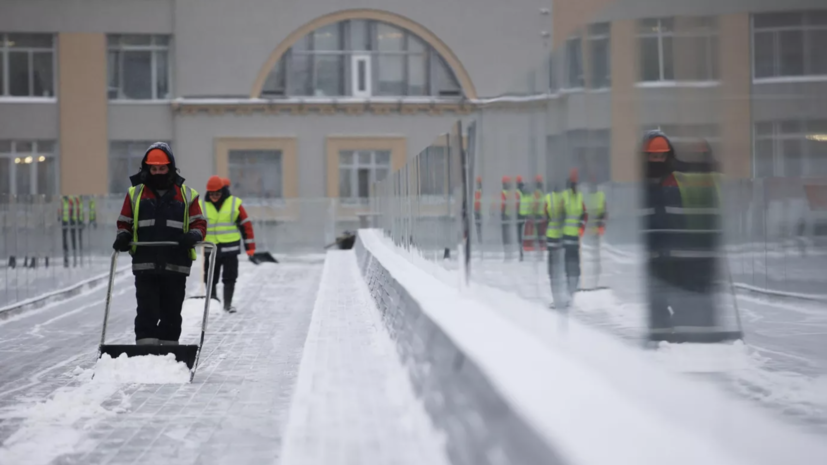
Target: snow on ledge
(596, 399)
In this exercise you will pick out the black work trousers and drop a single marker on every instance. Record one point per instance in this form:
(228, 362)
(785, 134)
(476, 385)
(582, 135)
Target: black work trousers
(229, 264)
(160, 298)
(572, 266)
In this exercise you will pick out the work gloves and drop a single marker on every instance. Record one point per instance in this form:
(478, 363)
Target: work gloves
(188, 240)
(122, 242)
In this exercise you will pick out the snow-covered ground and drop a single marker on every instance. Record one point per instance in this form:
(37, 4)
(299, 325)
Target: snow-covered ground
(781, 364)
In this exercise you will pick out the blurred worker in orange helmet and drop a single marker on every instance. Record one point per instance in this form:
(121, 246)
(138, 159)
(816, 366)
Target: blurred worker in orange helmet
(574, 225)
(227, 226)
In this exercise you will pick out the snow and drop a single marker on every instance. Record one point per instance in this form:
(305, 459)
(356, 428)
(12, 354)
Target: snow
(593, 389)
(146, 369)
(354, 402)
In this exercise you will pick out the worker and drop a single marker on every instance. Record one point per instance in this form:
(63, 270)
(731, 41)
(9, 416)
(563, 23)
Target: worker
(227, 226)
(93, 213)
(683, 234)
(575, 217)
(539, 209)
(80, 222)
(68, 219)
(478, 208)
(160, 207)
(554, 236)
(525, 213)
(507, 209)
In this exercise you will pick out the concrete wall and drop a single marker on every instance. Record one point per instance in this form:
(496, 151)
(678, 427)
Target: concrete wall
(629, 9)
(195, 136)
(140, 121)
(107, 16)
(29, 121)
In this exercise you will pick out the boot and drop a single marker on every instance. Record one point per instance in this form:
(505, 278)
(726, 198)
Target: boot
(228, 297)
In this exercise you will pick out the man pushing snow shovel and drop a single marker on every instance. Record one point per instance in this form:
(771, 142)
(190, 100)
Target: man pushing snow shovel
(160, 208)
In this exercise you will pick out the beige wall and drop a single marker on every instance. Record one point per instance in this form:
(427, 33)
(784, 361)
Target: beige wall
(625, 127)
(736, 130)
(83, 103)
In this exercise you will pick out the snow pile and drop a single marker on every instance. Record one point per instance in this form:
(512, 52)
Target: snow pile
(145, 369)
(624, 315)
(595, 398)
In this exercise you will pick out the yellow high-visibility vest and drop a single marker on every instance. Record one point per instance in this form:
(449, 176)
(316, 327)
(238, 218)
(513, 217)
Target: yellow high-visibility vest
(221, 224)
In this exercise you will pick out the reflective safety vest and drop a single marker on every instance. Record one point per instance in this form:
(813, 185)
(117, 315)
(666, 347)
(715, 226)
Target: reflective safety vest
(573, 208)
(700, 199)
(221, 224)
(597, 207)
(135, 197)
(538, 202)
(508, 203)
(80, 213)
(526, 203)
(93, 211)
(67, 214)
(553, 212)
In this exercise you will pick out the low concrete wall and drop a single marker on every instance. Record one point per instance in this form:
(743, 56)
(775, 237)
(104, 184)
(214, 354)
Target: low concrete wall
(481, 428)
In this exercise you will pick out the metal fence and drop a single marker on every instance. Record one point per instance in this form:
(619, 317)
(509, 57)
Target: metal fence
(41, 253)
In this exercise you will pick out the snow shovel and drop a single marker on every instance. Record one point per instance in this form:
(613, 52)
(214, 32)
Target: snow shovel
(263, 257)
(189, 353)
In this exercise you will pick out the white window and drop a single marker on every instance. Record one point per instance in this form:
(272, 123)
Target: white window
(27, 63)
(433, 173)
(574, 63)
(28, 167)
(361, 58)
(256, 174)
(358, 170)
(789, 44)
(693, 39)
(124, 161)
(599, 51)
(790, 148)
(139, 67)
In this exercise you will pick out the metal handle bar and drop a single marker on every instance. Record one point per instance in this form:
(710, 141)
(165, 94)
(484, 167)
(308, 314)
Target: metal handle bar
(210, 273)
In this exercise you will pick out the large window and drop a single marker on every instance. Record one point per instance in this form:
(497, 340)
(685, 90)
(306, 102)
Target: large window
(790, 148)
(124, 161)
(28, 167)
(139, 67)
(27, 65)
(361, 58)
(256, 173)
(599, 51)
(358, 170)
(694, 40)
(433, 173)
(574, 62)
(790, 44)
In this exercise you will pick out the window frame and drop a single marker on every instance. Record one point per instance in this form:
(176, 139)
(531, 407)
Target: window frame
(777, 136)
(592, 37)
(153, 48)
(804, 27)
(353, 171)
(676, 33)
(581, 77)
(15, 160)
(5, 82)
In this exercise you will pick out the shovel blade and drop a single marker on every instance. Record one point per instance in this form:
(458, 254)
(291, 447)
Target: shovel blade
(183, 353)
(263, 257)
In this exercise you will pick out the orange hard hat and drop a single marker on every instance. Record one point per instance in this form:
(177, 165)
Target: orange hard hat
(157, 157)
(506, 179)
(538, 178)
(573, 175)
(226, 182)
(519, 179)
(479, 178)
(657, 144)
(214, 184)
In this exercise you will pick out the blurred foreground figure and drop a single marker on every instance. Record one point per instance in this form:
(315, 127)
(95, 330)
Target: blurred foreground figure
(683, 236)
(574, 225)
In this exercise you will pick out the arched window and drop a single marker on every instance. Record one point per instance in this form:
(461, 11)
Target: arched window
(361, 58)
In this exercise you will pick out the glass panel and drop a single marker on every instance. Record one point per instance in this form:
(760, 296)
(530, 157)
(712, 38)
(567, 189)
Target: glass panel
(23, 147)
(45, 146)
(791, 148)
(301, 45)
(600, 77)
(5, 175)
(363, 75)
(5, 146)
(417, 75)
(118, 149)
(137, 75)
(575, 63)
(345, 190)
(649, 59)
(777, 20)
(23, 175)
(364, 182)
(763, 158)
(389, 38)
(19, 74)
(381, 174)
(415, 45)
(818, 126)
(329, 75)
(763, 128)
(46, 175)
(667, 24)
(792, 127)
(161, 75)
(136, 39)
(446, 83)
(391, 74)
(383, 158)
(274, 85)
(791, 50)
(359, 36)
(816, 17)
(764, 47)
(668, 60)
(2, 71)
(817, 154)
(713, 58)
(345, 158)
(119, 171)
(298, 82)
(113, 40)
(113, 73)
(43, 76)
(364, 158)
(648, 26)
(817, 54)
(31, 40)
(160, 40)
(328, 38)
(599, 29)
